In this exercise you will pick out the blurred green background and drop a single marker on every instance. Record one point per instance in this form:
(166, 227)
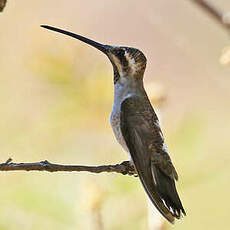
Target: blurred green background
(56, 96)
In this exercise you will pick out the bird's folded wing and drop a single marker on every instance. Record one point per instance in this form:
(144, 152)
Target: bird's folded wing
(136, 121)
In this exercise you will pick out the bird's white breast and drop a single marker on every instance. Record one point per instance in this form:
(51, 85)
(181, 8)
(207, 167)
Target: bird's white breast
(121, 92)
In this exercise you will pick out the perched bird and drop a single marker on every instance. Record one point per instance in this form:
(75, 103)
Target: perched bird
(136, 126)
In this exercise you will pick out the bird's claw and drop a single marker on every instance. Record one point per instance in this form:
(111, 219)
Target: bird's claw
(129, 168)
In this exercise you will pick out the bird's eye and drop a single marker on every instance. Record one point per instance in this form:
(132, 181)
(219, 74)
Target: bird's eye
(120, 53)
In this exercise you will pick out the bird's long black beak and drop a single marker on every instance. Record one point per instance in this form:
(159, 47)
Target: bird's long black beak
(101, 47)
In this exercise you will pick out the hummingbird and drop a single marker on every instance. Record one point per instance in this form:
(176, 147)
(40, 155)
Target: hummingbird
(137, 128)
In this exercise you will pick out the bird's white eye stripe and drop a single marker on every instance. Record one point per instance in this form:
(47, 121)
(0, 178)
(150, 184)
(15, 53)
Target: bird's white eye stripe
(131, 61)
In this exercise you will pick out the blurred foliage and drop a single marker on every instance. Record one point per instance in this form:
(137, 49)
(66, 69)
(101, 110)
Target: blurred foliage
(2, 5)
(56, 96)
(75, 122)
(225, 56)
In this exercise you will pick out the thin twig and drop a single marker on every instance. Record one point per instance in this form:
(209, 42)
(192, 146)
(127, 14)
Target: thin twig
(125, 168)
(221, 17)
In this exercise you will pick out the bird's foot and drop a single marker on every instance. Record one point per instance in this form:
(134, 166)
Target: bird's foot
(129, 168)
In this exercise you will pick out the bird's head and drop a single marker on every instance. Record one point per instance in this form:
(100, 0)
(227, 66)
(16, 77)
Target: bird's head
(127, 62)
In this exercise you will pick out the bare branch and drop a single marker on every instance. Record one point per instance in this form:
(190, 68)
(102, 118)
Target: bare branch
(125, 168)
(221, 17)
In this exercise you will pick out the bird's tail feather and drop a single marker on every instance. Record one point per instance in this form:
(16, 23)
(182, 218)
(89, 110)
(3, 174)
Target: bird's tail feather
(168, 193)
(154, 196)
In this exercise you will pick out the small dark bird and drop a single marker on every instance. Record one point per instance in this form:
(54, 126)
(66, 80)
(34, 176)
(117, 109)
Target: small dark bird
(137, 128)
